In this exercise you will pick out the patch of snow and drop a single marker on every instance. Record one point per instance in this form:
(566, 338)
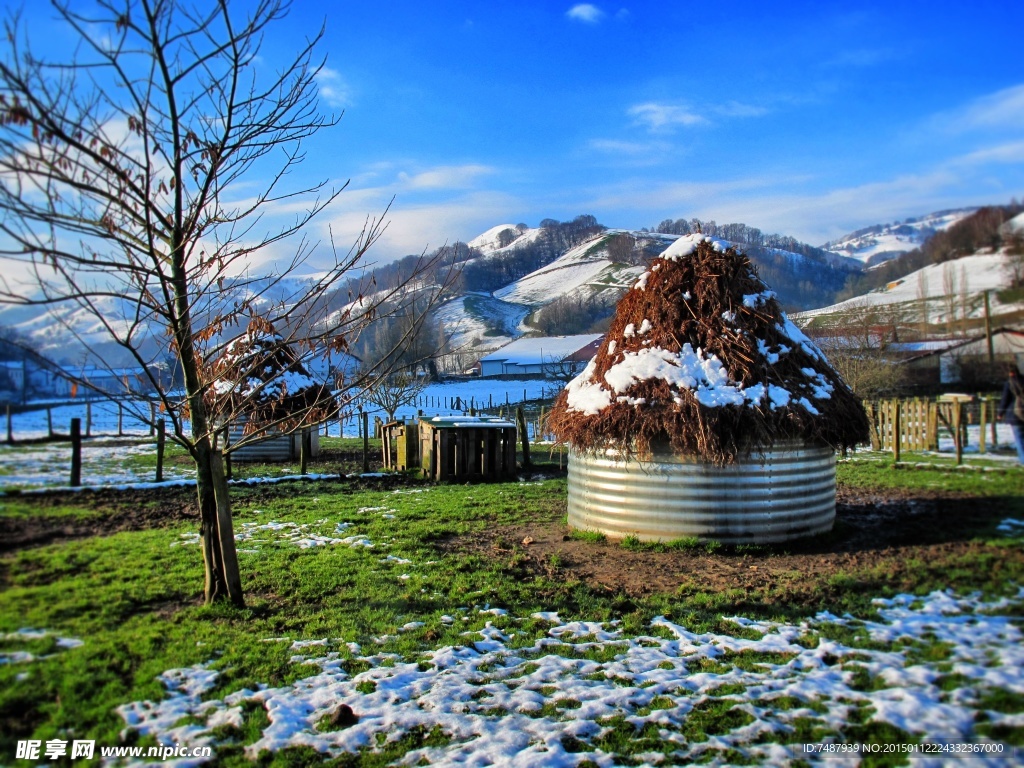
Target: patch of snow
(487, 695)
(687, 244)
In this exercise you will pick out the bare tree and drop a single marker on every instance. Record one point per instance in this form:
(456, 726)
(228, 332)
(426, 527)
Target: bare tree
(121, 171)
(397, 390)
(949, 295)
(922, 302)
(856, 344)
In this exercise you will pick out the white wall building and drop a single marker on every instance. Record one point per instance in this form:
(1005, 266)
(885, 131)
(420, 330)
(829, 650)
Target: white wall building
(541, 356)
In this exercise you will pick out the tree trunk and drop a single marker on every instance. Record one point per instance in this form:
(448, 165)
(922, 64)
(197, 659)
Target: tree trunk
(223, 580)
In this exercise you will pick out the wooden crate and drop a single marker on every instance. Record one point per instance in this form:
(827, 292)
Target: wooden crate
(401, 445)
(467, 448)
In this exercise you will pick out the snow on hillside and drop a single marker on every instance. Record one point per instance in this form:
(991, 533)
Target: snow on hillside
(55, 332)
(488, 242)
(585, 267)
(881, 242)
(968, 277)
(478, 323)
(1016, 224)
(59, 332)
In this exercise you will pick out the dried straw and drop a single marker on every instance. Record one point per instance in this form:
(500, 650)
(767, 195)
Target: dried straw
(699, 300)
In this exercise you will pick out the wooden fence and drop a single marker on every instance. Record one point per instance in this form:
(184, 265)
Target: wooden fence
(915, 425)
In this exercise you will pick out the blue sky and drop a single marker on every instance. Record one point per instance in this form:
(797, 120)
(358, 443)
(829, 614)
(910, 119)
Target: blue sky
(810, 119)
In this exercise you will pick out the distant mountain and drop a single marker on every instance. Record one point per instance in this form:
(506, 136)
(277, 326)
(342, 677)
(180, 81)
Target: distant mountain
(564, 278)
(63, 333)
(881, 242)
(575, 289)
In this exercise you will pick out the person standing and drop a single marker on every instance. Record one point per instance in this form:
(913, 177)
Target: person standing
(1012, 408)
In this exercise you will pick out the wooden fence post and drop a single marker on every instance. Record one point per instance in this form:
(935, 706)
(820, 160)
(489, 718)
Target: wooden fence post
(958, 441)
(873, 435)
(161, 442)
(524, 436)
(76, 452)
(120, 419)
(366, 442)
(88, 419)
(10, 427)
(897, 430)
(304, 445)
(982, 418)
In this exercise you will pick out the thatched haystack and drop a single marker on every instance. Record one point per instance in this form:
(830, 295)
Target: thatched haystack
(261, 380)
(700, 356)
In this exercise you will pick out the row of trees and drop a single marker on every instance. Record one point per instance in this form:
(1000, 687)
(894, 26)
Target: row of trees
(739, 233)
(575, 313)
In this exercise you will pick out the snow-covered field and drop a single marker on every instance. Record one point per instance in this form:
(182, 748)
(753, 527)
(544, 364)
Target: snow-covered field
(555, 701)
(106, 460)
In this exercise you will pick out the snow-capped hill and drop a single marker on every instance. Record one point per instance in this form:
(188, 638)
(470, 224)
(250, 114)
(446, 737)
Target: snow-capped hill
(587, 267)
(881, 242)
(503, 237)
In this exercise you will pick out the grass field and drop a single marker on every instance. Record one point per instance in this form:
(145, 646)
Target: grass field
(359, 594)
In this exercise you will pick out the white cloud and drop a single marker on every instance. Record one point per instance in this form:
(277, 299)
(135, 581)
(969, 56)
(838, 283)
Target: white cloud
(585, 12)
(999, 110)
(816, 216)
(862, 57)
(415, 228)
(663, 116)
(333, 89)
(1003, 153)
(634, 154)
(445, 177)
(736, 109)
(796, 205)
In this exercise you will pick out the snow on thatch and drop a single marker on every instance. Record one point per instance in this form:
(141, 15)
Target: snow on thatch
(261, 379)
(700, 356)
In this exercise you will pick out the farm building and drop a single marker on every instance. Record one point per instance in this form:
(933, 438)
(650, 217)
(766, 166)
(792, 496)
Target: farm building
(25, 374)
(109, 381)
(967, 361)
(553, 356)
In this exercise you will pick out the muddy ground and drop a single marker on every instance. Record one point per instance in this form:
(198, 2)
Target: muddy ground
(880, 539)
(891, 539)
